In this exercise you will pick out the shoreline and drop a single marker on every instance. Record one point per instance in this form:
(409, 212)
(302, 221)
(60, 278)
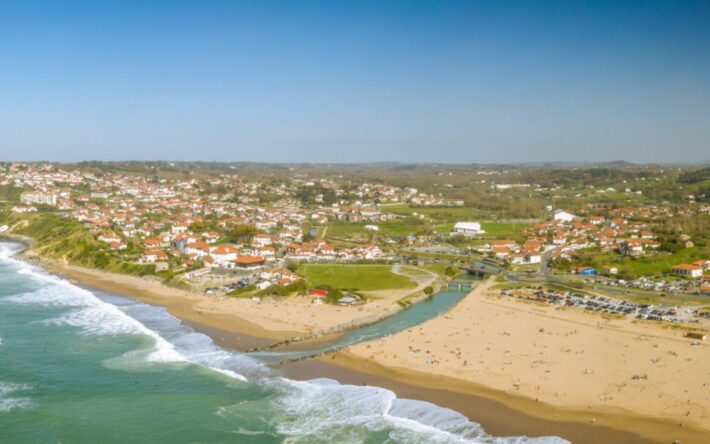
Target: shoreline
(499, 412)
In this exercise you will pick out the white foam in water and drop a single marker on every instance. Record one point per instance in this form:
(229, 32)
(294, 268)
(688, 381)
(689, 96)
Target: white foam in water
(96, 317)
(323, 410)
(8, 403)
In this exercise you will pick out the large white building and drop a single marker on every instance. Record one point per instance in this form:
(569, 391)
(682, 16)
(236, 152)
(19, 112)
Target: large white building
(563, 216)
(32, 197)
(467, 228)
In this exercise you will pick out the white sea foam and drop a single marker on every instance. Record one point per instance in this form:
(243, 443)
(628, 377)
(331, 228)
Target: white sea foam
(9, 403)
(325, 411)
(94, 316)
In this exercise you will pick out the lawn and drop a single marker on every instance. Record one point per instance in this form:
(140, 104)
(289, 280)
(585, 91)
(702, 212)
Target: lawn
(354, 277)
(344, 229)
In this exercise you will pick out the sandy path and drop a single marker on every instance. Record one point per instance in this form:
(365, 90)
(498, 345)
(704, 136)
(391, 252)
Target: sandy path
(423, 280)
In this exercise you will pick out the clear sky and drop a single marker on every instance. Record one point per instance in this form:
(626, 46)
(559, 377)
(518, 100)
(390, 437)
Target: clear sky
(361, 81)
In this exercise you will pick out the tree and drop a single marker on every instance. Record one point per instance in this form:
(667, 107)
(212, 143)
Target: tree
(429, 291)
(198, 226)
(451, 271)
(241, 233)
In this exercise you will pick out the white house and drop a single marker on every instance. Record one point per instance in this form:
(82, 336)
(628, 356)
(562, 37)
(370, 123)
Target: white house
(30, 197)
(563, 216)
(224, 253)
(689, 270)
(467, 228)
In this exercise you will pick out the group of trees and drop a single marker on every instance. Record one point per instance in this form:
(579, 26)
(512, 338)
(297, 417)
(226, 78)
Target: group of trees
(310, 195)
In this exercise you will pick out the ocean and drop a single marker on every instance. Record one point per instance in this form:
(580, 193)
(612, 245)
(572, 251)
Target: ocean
(80, 366)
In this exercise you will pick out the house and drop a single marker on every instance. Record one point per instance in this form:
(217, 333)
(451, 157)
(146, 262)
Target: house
(687, 270)
(370, 251)
(224, 253)
(532, 258)
(500, 251)
(516, 259)
(506, 243)
(563, 216)
(210, 237)
(30, 197)
(248, 262)
(262, 285)
(198, 248)
(262, 240)
(179, 228)
(467, 229)
(597, 220)
(151, 256)
(631, 247)
(109, 237)
(117, 246)
(265, 252)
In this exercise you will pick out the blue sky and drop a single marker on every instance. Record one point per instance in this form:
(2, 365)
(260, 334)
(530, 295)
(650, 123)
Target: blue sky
(336, 81)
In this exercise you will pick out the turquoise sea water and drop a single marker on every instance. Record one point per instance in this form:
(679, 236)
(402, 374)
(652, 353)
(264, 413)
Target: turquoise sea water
(78, 366)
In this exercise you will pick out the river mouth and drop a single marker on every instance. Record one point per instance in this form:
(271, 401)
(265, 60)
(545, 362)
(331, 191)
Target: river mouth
(411, 316)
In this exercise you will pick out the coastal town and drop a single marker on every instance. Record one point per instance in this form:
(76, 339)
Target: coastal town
(202, 231)
(309, 255)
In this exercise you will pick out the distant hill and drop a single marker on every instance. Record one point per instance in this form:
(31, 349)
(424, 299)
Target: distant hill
(697, 176)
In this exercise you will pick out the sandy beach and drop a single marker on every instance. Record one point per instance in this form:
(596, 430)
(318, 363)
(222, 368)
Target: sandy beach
(268, 318)
(563, 358)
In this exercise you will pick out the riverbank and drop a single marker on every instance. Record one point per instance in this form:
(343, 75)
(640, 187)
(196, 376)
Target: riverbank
(510, 413)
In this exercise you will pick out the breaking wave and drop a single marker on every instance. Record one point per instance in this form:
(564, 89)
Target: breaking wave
(9, 403)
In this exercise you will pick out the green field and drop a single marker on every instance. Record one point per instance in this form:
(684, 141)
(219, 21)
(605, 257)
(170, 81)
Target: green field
(354, 277)
(646, 266)
(345, 229)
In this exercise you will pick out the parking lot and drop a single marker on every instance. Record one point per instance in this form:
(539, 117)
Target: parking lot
(607, 305)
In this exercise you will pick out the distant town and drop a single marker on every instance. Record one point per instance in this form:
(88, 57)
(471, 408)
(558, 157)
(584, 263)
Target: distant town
(222, 232)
